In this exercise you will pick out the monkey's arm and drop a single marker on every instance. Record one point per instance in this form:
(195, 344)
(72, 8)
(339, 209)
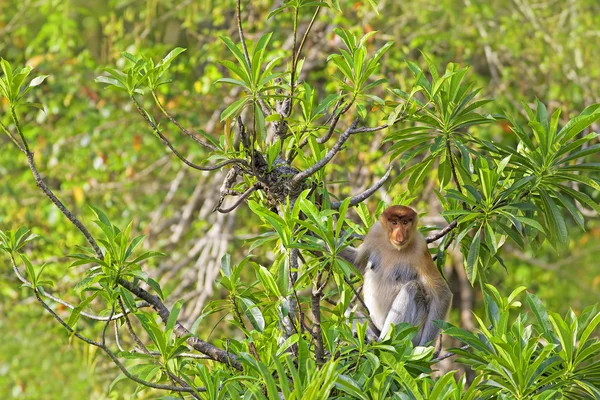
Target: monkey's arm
(441, 296)
(348, 254)
(358, 257)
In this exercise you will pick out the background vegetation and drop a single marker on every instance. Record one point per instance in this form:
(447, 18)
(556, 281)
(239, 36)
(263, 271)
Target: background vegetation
(93, 149)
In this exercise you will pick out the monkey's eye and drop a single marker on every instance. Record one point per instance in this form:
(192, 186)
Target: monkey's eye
(394, 222)
(404, 222)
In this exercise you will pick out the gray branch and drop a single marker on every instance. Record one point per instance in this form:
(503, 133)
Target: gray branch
(359, 198)
(300, 176)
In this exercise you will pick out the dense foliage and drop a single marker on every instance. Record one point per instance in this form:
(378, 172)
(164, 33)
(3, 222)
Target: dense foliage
(288, 133)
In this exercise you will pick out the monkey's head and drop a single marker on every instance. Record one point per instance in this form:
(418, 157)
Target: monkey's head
(400, 224)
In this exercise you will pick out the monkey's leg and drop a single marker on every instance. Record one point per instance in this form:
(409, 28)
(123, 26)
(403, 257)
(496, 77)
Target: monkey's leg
(357, 317)
(407, 307)
(438, 308)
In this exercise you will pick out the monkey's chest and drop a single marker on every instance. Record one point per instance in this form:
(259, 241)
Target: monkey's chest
(382, 285)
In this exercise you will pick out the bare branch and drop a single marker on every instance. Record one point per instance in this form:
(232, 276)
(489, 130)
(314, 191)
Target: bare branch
(106, 324)
(443, 232)
(181, 128)
(359, 198)
(63, 209)
(170, 146)
(135, 337)
(12, 138)
(448, 355)
(113, 357)
(333, 121)
(214, 352)
(305, 36)
(210, 350)
(300, 176)
(316, 296)
(364, 129)
(239, 201)
(238, 8)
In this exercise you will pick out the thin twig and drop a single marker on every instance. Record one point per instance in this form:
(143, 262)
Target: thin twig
(181, 128)
(195, 342)
(316, 296)
(238, 7)
(305, 36)
(239, 201)
(113, 357)
(448, 355)
(12, 138)
(19, 131)
(132, 333)
(106, 324)
(118, 338)
(63, 209)
(357, 295)
(181, 157)
(359, 198)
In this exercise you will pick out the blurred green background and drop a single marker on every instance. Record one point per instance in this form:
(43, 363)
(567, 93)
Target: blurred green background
(94, 150)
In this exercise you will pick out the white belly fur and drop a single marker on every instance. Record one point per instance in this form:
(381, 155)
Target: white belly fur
(379, 295)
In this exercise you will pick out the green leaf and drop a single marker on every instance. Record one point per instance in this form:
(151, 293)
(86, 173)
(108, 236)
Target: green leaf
(234, 108)
(156, 287)
(538, 309)
(253, 313)
(173, 316)
(554, 219)
(472, 257)
(346, 384)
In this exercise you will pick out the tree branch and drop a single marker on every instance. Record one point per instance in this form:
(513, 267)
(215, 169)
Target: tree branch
(63, 209)
(210, 350)
(364, 129)
(316, 296)
(443, 232)
(239, 201)
(198, 344)
(359, 198)
(113, 357)
(170, 146)
(448, 355)
(300, 176)
(238, 8)
(181, 128)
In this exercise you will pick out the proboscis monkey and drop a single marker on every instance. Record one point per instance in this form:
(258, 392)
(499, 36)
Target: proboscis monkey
(402, 284)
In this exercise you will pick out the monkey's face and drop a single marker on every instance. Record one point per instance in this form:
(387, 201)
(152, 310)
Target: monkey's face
(400, 223)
